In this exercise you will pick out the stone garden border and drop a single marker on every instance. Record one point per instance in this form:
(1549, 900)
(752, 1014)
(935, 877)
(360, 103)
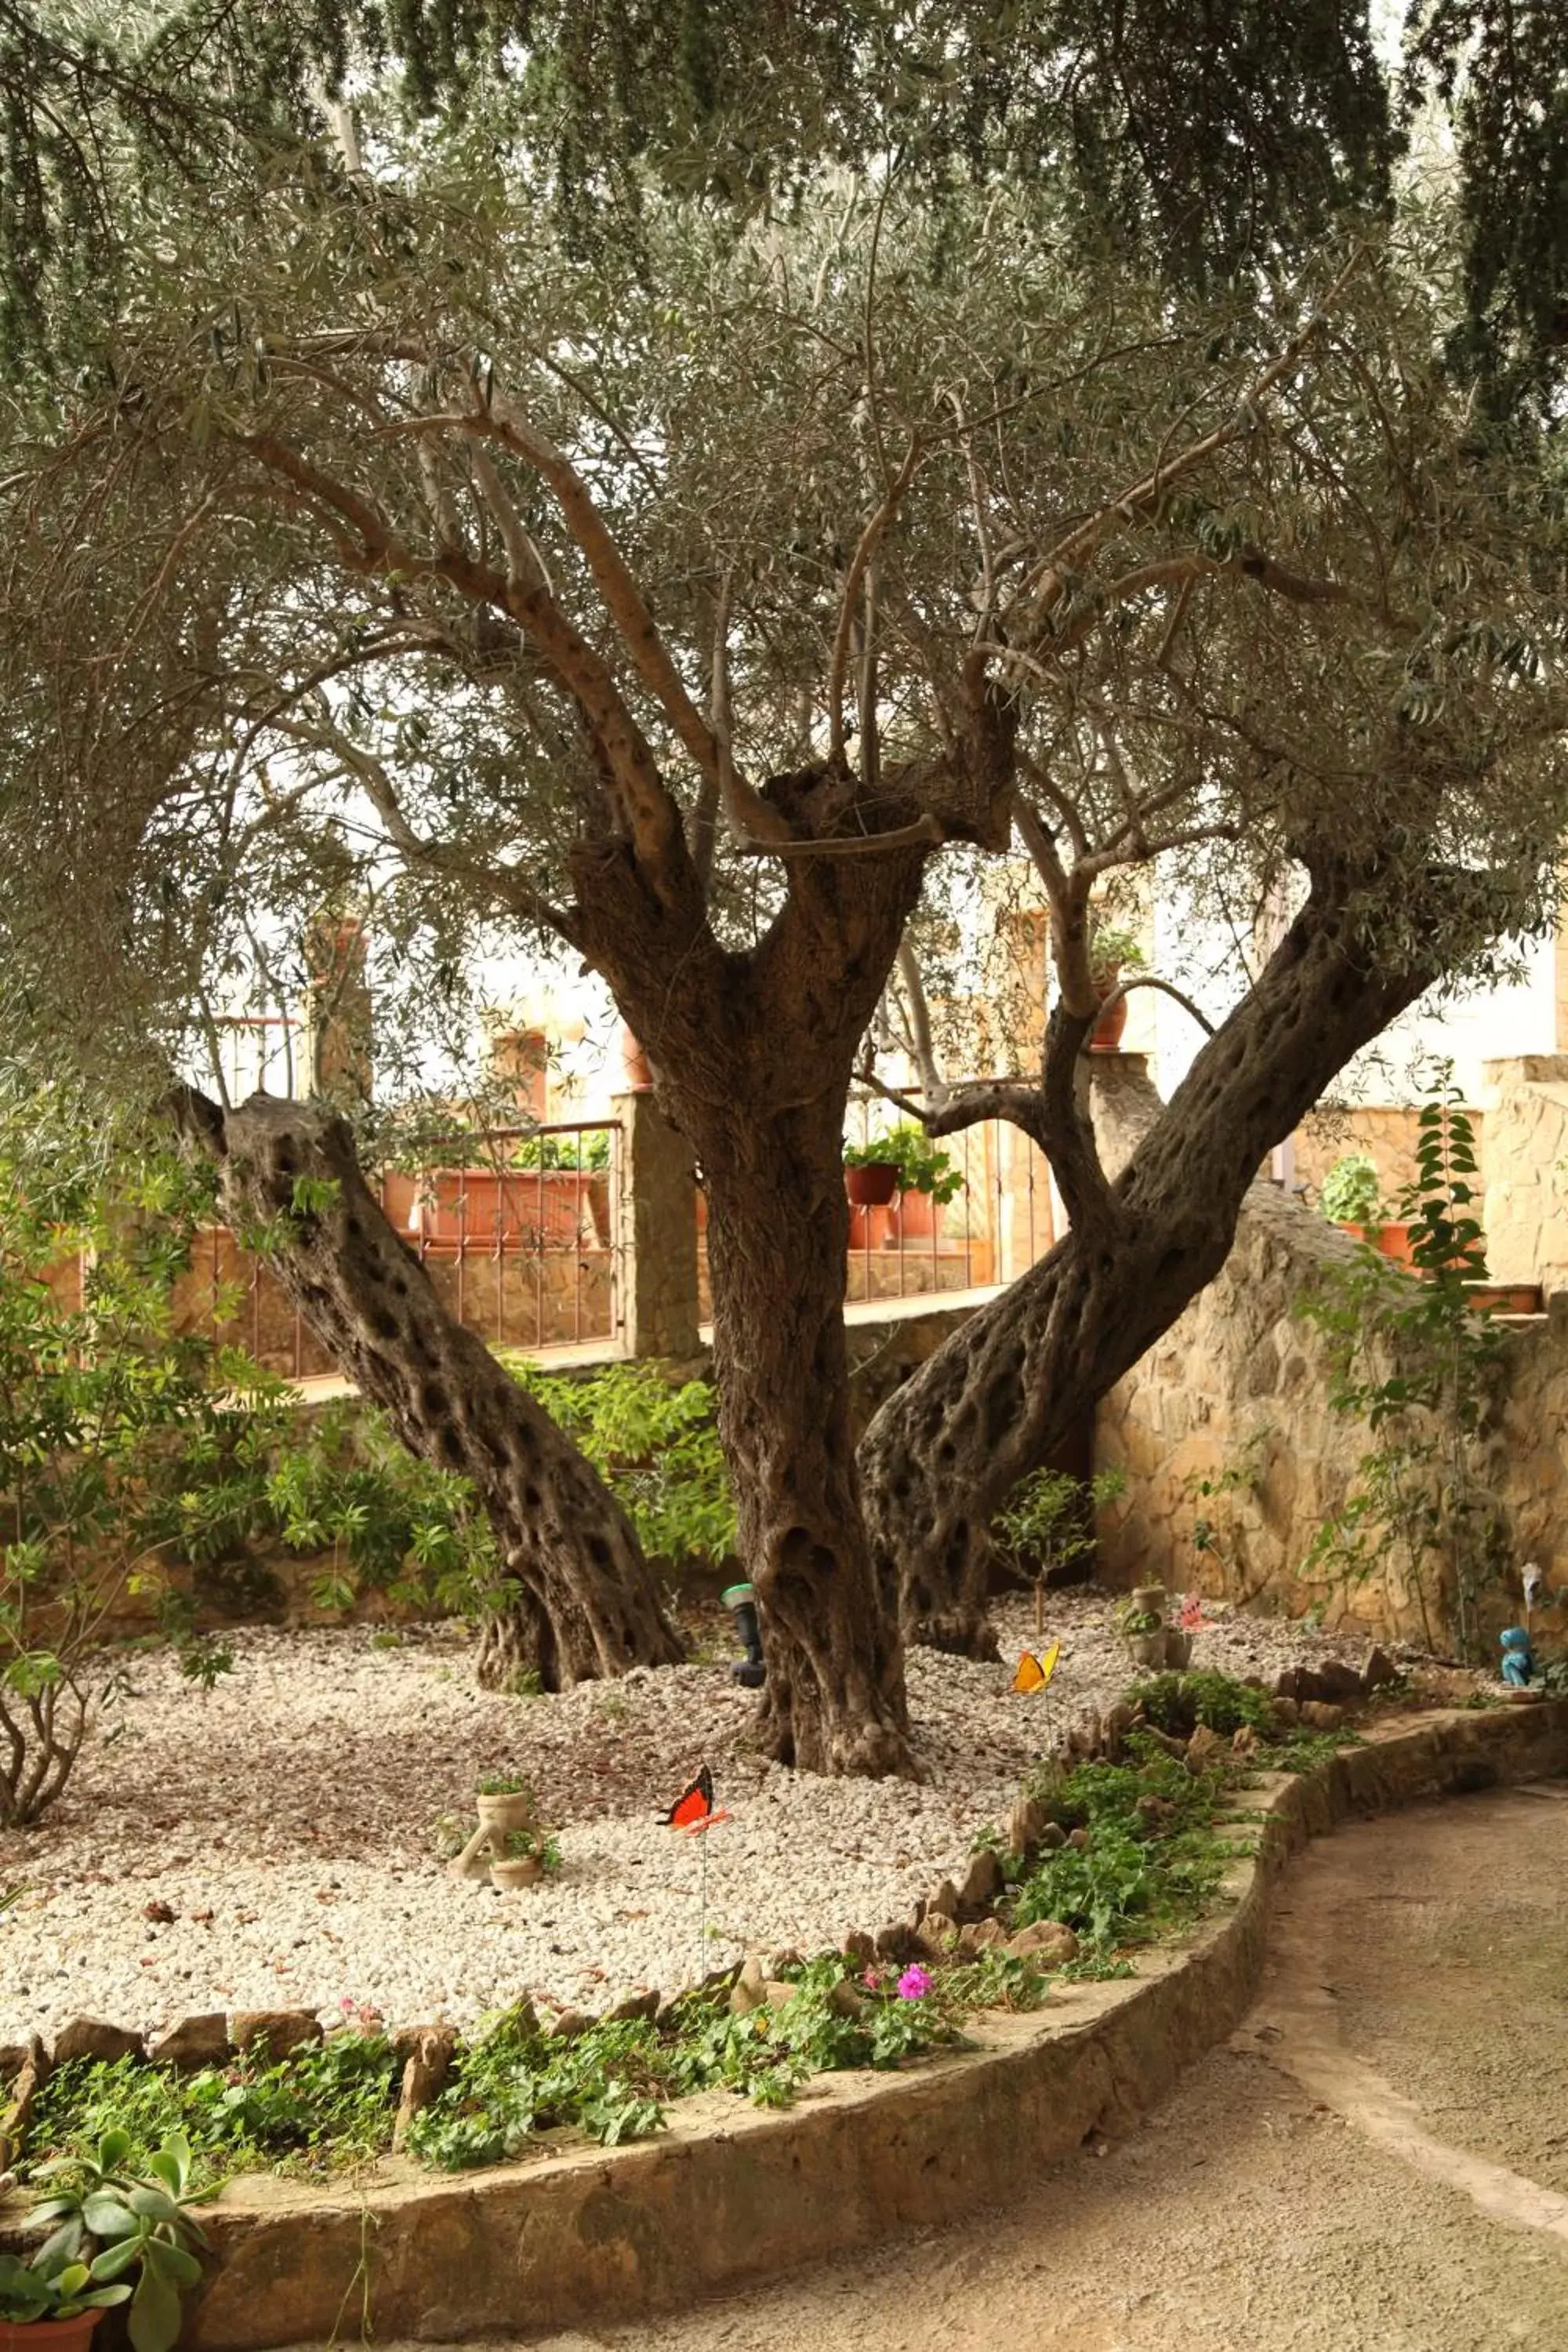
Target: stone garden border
(731, 2193)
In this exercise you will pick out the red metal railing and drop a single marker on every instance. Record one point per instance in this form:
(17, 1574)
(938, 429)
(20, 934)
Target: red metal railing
(526, 1258)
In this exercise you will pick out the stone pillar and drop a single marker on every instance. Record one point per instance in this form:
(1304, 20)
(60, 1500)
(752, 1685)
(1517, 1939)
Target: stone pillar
(1524, 1169)
(657, 1233)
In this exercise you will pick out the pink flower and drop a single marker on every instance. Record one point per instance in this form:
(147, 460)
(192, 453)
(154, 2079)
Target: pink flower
(871, 1979)
(914, 1984)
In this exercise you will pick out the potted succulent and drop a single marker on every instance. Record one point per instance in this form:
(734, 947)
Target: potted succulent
(106, 2225)
(526, 1856)
(1111, 952)
(55, 2303)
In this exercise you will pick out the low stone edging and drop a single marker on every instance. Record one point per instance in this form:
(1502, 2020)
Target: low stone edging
(730, 2192)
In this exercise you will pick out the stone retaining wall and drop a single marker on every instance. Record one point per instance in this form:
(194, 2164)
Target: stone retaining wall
(732, 2193)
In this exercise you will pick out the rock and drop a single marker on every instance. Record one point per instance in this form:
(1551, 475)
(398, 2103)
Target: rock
(1079, 1839)
(896, 1942)
(860, 1946)
(944, 1898)
(1114, 1726)
(89, 2037)
(277, 2030)
(1052, 1836)
(1154, 1812)
(423, 2076)
(982, 1882)
(1336, 1682)
(937, 1934)
(635, 2005)
(776, 1991)
(195, 2041)
(1025, 1823)
(1244, 1741)
(846, 2000)
(782, 1962)
(13, 2056)
(161, 1914)
(30, 2079)
(571, 2023)
(1317, 1714)
(1292, 1683)
(1379, 1671)
(1048, 1943)
(1167, 1740)
(746, 1993)
(979, 1935)
(1287, 1713)
(1203, 1749)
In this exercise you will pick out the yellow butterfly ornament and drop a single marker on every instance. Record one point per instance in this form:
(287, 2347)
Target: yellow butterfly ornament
(1032, 1673)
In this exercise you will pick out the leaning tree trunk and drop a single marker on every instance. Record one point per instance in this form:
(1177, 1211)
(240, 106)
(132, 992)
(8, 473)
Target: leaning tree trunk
(586, 1604)
(946, 1450)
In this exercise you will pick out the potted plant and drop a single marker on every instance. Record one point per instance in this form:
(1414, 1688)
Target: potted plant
(526, 1856)
(1140, 1621)
(55, 2304)
(106, 2223)
(1352, 1198)
(1111, 952)
(871, 1173)
(871, 1178)
(927, 1182)
(504, 1802)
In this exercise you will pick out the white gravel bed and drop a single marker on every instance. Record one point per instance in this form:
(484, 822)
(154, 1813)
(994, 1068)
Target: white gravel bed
(287, 1821)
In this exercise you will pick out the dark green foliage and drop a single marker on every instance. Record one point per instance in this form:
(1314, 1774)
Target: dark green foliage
(1206, 134)
(324, 2108)
(656, 1446)
(615, 2081)
(1413, 1360)
(1151, 1860)
(1178, 1703)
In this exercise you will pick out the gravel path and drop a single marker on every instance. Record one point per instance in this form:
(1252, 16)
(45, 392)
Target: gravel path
(288, 1820)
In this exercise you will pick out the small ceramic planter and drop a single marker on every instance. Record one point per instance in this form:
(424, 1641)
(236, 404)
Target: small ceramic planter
(1147, 1649)
(526, 1871)
(498, 1814)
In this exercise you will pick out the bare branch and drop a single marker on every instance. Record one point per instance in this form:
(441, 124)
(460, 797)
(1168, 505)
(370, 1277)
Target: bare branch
(870, 539)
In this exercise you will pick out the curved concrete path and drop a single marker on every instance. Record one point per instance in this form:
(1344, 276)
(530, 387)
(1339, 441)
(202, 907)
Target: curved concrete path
(1377, 2162)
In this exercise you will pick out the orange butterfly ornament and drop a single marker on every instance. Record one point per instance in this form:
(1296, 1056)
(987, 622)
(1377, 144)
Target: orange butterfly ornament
(1032, 1673)
(693, 1810)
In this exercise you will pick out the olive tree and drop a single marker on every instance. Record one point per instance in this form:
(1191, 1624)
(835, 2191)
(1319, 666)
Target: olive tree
(682, 607)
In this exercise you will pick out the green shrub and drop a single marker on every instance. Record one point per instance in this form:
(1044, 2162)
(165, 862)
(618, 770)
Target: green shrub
(1177, 1703)
(656, 1444)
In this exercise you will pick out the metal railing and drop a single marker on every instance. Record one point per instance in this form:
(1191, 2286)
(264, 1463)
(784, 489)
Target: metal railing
(526, 1258)
(1001, 1221)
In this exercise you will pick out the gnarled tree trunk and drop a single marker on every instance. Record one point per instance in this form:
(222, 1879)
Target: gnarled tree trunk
(753, 1054)
(586, 1604)
(947, 1449)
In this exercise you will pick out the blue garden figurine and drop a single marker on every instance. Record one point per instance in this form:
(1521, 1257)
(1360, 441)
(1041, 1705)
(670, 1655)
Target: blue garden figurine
(1517, 1662)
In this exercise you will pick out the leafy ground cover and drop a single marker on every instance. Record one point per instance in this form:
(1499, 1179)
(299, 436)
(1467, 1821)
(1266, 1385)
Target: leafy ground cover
(1145, 1842)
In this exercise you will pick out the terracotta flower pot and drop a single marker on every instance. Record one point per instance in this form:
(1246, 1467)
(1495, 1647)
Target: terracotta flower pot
(1105, 1037)
(49, 2335)
(1505, 1297)
(918, 1218)
(1391, 1241)
(527, 1870)
(634, 1065)
(872, 1185)
(498, 1814)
